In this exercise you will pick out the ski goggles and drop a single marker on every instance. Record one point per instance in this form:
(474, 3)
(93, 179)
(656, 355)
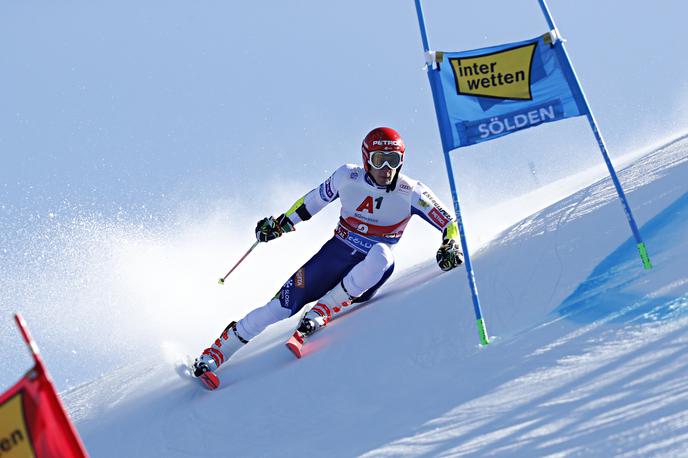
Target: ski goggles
(391, 159)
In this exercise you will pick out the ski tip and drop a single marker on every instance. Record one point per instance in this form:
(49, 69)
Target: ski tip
(295, 343)
(210, 380)
(294, 349)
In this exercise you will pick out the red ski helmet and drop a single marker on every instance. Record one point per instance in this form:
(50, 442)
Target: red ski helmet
(381, 139)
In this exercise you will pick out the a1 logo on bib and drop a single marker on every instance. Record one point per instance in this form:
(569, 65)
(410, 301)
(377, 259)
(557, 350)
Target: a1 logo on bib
(501, 75)
(367, 204)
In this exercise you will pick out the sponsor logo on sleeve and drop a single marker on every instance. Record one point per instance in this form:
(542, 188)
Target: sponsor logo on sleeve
(354, 175)
(326, 190)
(438, 217)
(436, 204)
(423, 203)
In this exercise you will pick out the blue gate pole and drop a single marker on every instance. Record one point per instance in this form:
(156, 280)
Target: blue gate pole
(642, 249)
(443, 124)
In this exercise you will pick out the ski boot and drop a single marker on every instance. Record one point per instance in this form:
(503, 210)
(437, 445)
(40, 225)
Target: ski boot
(212, 357)
(317, 318)
(311, 322)
(202, 371)
(333, 302)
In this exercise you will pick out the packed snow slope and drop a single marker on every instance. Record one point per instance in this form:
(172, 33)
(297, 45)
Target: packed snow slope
(588, 358)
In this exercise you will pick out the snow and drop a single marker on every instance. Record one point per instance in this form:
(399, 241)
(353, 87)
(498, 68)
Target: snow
(588, 355)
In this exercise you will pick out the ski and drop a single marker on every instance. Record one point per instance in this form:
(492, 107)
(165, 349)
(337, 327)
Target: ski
(295, 343)
(210, 380)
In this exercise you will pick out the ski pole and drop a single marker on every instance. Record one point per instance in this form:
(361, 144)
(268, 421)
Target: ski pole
(221, 281)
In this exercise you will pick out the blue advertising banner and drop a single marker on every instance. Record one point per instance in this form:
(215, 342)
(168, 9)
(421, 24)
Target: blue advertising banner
(495, 91)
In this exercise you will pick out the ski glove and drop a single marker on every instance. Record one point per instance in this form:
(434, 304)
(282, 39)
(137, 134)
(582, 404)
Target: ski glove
(270, 228)
(449, 255)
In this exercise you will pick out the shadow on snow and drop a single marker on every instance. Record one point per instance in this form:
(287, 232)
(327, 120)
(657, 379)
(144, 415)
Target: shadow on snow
(610, 293)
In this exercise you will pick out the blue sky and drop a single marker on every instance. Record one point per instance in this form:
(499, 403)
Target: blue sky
(122, 103)
(132, 112)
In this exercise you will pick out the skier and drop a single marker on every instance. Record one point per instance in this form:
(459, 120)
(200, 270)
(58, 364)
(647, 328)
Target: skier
(377, 204)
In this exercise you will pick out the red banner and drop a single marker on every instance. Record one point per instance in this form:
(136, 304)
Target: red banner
(33, 422)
